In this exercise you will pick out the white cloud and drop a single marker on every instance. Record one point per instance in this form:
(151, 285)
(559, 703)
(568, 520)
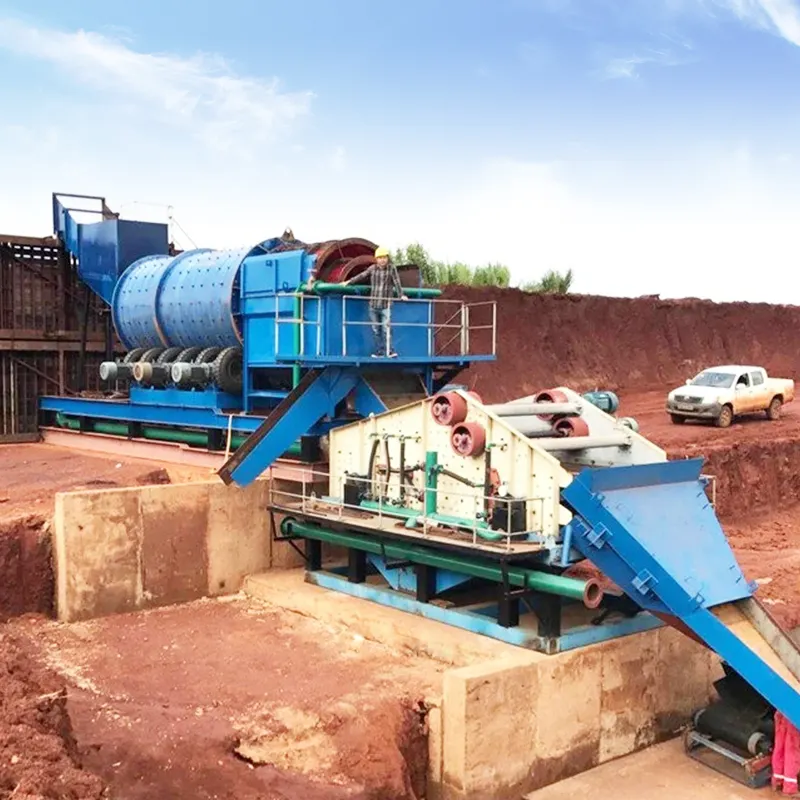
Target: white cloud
(629, 66)
(779, 16)
(203, 93)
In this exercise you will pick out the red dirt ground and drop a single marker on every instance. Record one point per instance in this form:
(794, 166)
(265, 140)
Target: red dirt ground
(159, 700)
(31, 474)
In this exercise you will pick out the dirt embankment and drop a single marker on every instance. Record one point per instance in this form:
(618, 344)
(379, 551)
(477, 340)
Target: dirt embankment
(620, 343)
(38, 752)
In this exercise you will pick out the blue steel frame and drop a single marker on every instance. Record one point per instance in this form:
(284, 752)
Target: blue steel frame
(483, 619)
(649, 562)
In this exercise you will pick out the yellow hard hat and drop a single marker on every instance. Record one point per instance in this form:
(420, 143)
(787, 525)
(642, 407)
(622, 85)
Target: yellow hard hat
(381, 251)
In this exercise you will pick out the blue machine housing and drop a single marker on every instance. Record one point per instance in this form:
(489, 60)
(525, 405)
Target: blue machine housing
(276, 311)
(104, 249)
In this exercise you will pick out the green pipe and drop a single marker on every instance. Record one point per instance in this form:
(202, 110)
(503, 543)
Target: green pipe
(197, 438)
(411, 291)
(589, 592)
(431, 481)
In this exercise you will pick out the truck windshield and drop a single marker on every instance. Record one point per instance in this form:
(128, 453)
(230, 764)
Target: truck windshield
(719, 380)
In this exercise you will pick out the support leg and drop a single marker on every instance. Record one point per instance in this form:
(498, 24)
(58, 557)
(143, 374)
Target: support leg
(426, 583)
(509, 610)
(356, 566)
(313, 554)
(548, 610)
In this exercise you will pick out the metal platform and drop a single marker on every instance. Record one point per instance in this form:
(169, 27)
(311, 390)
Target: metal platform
(339, 516)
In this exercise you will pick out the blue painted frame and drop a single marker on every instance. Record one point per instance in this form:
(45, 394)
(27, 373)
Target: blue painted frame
(483, 621)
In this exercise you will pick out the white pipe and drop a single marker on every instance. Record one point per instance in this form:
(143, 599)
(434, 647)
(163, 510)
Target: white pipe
(517, 409)
(530, 426)
(585, 442)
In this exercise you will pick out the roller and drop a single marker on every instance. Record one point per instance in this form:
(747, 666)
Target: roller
(737, 726)
(571, 426)
(468, 439)
(551, 396)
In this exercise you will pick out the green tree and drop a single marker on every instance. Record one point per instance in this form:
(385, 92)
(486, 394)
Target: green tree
(552, 282)
(441, 273)
(444, 273)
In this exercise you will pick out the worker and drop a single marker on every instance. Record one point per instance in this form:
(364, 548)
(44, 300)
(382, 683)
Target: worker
(785, 756)
(384, 283)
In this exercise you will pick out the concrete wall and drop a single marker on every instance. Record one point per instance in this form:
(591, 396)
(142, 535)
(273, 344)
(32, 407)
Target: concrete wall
(512, 726)
(125, 549)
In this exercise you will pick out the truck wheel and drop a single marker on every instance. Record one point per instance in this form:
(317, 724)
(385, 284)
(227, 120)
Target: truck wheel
(774, 410)
(677, 419)
(725, 417)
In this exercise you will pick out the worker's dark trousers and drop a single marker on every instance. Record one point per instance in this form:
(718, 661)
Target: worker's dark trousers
(380, 328)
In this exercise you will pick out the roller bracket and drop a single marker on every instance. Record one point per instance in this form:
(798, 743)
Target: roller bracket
(597, 536)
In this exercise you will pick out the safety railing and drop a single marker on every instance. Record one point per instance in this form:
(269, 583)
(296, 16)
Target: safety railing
(384, 512)
(301, 321)
(415, 327)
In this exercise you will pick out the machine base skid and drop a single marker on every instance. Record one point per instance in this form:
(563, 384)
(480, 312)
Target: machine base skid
(483, 618)
(752, 771)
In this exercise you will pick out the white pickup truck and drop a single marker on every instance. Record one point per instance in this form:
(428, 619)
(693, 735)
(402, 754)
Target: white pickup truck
(720, 394)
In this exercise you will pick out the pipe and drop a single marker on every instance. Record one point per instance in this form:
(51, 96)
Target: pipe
(517, 409)
(530, 426)
(584, 442)
(589, 592)
(411, 291)
(182, 436)
(431, 481)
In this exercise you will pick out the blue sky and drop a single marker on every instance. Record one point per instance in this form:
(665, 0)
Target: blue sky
(650, 145)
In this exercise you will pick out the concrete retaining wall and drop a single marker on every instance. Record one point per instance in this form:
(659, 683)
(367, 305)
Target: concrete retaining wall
(512, 726)
(138, 547)
(125, 549)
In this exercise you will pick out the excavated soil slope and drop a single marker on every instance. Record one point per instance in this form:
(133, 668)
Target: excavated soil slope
(620, 343)
(38, 752)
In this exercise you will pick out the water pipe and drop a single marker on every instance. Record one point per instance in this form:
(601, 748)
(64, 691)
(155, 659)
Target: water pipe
(589, 592)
